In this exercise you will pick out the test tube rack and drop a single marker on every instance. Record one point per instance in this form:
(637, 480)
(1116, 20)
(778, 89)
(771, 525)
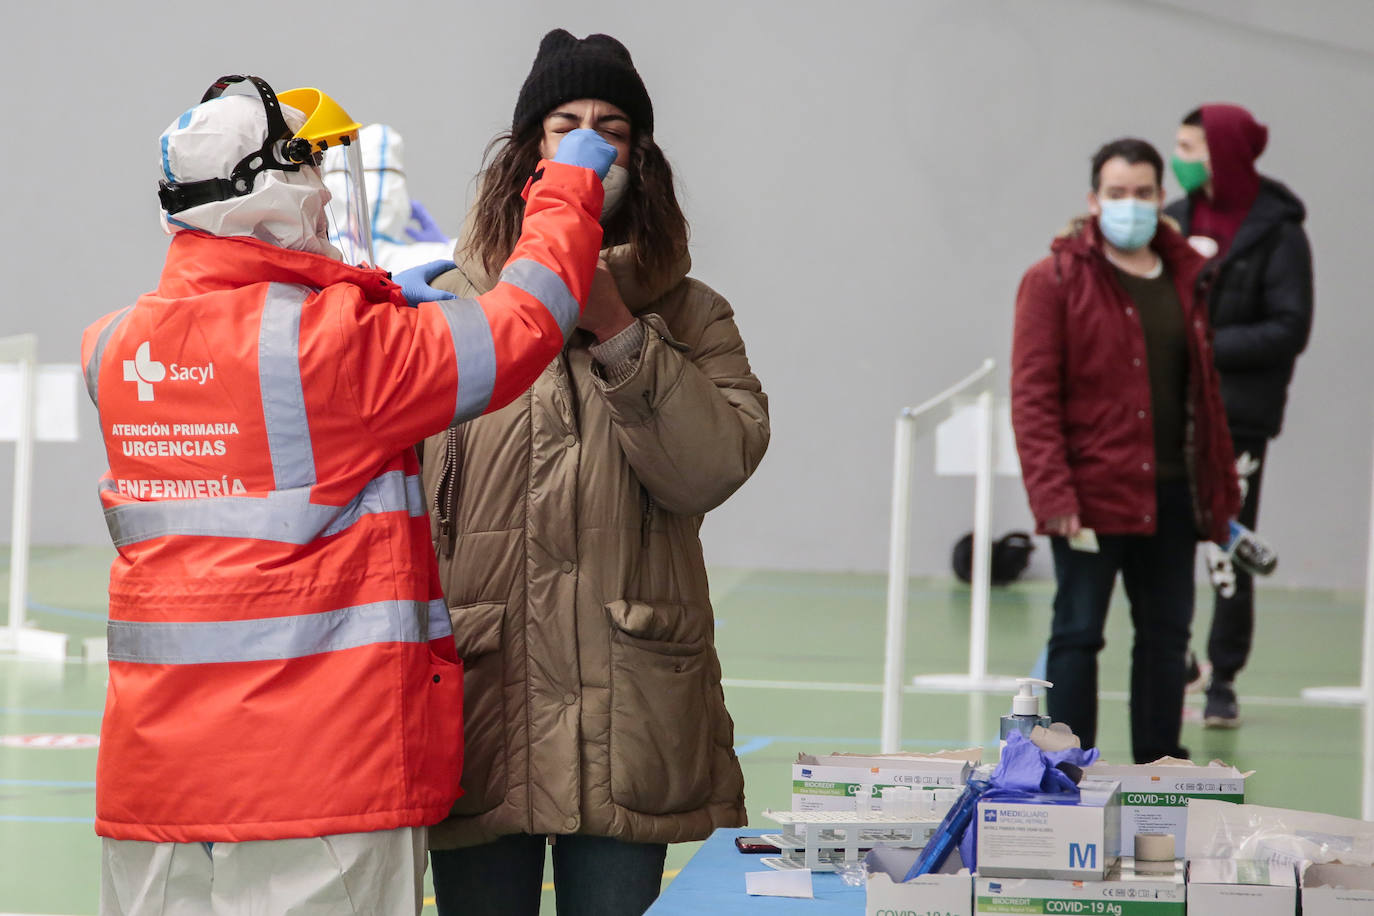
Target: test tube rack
(820, 840)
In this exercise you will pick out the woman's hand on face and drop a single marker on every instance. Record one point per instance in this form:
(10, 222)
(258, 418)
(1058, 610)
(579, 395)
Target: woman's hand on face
(605, 314)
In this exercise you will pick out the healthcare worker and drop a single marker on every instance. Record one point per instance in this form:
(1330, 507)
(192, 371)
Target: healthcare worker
(282, 716)
(403, 233)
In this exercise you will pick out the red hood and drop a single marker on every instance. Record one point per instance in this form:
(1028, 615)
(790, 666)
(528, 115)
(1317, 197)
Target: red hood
(1234, 141)
(198, 262)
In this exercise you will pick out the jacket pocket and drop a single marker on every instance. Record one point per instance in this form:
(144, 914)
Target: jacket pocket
(477, 630)
(660, 721)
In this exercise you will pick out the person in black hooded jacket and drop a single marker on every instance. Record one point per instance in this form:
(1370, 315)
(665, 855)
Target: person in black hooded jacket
(1259, 293)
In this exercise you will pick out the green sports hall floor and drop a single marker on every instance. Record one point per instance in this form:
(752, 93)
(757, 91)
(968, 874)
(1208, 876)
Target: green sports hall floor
(802, 655)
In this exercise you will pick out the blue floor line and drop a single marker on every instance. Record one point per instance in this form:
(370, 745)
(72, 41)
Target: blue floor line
(40, 819)
(753, 744)
(48, 783)
(65, 612)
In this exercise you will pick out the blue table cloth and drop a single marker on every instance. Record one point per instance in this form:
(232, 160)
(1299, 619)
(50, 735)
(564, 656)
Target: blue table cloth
(712, 882)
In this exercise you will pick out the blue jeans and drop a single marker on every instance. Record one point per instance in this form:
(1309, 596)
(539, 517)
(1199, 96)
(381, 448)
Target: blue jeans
(1157, 571)
(592, 876)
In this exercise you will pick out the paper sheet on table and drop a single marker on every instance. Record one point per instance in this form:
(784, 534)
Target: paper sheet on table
(55, 411)
(790, 883)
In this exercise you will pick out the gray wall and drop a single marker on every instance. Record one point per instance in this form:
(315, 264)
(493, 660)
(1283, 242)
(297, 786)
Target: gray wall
(866, 182)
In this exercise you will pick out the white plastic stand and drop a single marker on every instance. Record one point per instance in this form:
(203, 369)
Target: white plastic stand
(1361, 694)
(17, 636)
(911, 423)
(820, 840)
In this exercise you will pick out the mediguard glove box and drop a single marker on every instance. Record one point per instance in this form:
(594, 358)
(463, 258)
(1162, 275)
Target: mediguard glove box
(1041, 839)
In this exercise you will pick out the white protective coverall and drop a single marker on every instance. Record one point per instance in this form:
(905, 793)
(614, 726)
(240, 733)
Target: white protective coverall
(388, 198)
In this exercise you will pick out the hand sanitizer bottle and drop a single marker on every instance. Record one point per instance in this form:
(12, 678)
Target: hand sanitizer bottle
(1025, 709)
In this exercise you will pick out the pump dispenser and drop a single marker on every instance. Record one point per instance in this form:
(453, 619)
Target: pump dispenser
(1025, 709)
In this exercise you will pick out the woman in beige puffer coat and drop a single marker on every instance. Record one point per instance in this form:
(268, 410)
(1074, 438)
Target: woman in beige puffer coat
(566, 526)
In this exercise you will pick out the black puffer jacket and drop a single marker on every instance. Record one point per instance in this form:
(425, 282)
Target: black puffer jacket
(1260, 298)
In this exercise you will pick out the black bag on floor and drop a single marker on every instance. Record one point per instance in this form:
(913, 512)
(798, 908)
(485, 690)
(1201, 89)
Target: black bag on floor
(1010, 556)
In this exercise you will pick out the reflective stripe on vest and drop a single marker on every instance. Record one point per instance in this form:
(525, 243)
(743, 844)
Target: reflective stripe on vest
(476, 354)
(471, 333)
(548, 287)
(275, 638)
(285, 516)
(283, 395)
(98, 353)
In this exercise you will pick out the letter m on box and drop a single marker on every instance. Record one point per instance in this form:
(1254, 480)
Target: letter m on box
(1082, 855)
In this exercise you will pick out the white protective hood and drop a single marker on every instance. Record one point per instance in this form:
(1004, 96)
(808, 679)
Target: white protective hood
(286, 209)
(388, 199)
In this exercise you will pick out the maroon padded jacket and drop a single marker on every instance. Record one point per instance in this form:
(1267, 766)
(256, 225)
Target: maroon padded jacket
(1080, 392)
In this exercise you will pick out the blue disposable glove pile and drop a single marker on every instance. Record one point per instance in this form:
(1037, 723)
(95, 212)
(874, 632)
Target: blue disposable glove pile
(414, 282)
(588, 149)
(1025, 773)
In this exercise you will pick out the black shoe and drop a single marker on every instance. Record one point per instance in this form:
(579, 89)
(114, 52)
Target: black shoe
(1223, 711)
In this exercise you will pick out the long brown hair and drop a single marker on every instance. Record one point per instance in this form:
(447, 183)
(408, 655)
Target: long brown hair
(649, 218)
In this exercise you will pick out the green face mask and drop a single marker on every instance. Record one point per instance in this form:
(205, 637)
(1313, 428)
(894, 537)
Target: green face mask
(1191, 173)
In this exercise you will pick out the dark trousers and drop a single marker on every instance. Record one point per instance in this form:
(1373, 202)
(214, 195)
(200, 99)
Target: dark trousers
(592, 876)
(1157, 571)
(1233, 616)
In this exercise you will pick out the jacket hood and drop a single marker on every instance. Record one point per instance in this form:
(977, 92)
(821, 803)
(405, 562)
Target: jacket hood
(198, 262)
(619, 258)
(1234, 141)
(1276, 203)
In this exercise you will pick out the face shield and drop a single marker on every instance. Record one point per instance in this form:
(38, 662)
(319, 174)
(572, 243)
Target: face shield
(329, 128)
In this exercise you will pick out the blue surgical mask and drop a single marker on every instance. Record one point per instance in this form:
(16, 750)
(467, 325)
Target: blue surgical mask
(1128, 223)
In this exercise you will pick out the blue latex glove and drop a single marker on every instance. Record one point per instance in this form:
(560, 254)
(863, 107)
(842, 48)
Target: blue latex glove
(1025, 772)
(429, 230)
(415, 282)
(588, 149)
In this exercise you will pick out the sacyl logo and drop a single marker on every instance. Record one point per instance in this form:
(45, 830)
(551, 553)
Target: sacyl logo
(144, 370)
(1082, 855)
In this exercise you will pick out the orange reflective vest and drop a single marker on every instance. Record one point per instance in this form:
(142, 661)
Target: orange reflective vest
(281, 663)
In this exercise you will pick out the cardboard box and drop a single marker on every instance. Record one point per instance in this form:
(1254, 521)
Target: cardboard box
(1155, 796)
(947, 894)
(1337, 890)
(830, 783)
(1041, 839)
(1241, 887)
(1124, 893)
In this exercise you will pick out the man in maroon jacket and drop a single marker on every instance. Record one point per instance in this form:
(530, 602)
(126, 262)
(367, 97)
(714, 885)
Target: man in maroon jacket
(1123, 441)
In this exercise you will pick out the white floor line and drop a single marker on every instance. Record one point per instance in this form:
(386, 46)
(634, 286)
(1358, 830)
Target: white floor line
(851, 687)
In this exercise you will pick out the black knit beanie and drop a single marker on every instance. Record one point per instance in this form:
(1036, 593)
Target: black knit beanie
(595, 67)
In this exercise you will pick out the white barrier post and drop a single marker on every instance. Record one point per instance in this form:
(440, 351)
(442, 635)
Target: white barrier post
(912, 423)
(17, 635)
(27, 347)
(1362, 693)
(897, 574)
(981, 573)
